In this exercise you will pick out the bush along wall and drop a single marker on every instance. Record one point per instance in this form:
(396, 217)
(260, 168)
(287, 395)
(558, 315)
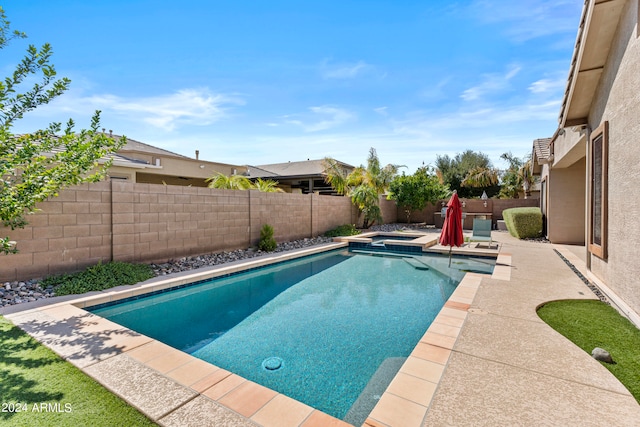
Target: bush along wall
(523, 223)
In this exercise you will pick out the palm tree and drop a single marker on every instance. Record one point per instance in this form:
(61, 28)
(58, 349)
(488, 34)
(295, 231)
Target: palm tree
(267, 186)
(363, 185)
(480, 177)
(526, 178)
(225, 182)
(517, 176)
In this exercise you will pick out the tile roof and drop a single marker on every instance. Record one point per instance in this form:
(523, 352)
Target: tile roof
(133, 145)
(541, 148)
(303, 168)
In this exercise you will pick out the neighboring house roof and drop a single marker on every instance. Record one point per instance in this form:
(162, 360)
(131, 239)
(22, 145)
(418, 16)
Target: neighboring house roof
(256, 172)
(120, 160)
(542, 149)
(290, 169)
(133, 145)
(598, 25)
(541, 154)
(117, 158)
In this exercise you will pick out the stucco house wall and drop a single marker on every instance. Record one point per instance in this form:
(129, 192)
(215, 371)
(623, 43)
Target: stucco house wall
(566, 204)
(618, 102)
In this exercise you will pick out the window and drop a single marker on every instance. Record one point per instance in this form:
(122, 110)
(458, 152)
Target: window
(598, 193)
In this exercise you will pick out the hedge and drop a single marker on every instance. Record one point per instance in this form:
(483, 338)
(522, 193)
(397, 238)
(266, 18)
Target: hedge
(523, 223)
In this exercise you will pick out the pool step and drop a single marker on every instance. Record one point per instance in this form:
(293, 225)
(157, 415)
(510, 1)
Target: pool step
(416, 264)
(376, 386)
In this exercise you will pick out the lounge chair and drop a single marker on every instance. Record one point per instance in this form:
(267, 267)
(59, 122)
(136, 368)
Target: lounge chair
(481, 231)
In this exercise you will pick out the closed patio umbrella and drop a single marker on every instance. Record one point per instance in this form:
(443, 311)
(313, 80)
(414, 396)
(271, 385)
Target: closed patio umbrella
(451, 234)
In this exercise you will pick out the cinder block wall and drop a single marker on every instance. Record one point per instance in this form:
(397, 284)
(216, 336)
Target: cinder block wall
(331, 211)
(288, 214)
(68, 233)
(389, 210)
(494, 207)
(157, 222)
(125, 221)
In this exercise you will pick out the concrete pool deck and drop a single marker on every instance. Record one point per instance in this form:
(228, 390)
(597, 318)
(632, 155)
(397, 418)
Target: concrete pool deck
(486, 360)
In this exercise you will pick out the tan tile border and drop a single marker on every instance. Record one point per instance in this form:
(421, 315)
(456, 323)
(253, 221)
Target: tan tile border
(405, 402)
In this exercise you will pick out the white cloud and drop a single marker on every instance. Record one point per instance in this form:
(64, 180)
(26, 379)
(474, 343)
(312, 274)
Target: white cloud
(547, 85)
(197, 107)
(428, 125)
(382, 111)
(528, 19)
(323, 118)
(344, 71)
(490, 84)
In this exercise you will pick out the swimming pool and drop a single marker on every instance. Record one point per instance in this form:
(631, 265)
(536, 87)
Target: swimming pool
(329, 330)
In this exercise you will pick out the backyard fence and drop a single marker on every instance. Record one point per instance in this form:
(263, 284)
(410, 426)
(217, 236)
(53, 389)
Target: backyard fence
(123, 221)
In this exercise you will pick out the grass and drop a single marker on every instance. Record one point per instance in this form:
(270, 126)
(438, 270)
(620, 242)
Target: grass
(590, 324)
(50, 391)
(99, 277)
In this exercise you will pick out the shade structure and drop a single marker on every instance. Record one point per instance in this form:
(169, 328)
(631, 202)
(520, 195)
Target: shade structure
(451, 234)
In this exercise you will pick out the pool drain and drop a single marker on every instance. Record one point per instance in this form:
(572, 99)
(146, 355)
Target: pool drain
(272, 363)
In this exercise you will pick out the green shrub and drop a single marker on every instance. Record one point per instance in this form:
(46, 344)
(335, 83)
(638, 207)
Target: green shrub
(523, 223)
(343, 230)
(267, 242)
(99, 277)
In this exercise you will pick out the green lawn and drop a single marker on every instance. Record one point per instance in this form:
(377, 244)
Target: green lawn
(51, 392)
(590, 324)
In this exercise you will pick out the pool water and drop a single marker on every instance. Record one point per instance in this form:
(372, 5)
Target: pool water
(321, 330)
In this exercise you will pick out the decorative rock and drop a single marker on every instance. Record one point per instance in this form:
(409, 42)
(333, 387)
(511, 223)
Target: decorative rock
(190, 263)
(602, 355)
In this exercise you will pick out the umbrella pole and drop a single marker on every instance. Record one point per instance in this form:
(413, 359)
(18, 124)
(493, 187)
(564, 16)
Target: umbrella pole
(450, 249)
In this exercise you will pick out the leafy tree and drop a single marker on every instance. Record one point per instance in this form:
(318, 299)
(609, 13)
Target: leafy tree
(517, 177)
(36, 166)
(510, 181)
(473, 169)
(364, 184)
(413, 192)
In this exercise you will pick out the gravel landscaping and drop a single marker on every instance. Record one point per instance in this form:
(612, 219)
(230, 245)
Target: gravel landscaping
(17, 292)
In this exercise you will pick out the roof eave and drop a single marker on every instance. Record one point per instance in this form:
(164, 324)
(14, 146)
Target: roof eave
(598, 25)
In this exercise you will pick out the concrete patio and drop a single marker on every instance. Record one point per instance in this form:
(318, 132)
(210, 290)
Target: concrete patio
(509, 368)
(487, 360)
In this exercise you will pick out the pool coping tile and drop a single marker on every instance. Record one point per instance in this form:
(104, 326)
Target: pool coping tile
(393, 411)
(169, 361)
(223, 387)
(431, 352)
(320, 419)
(210, 380)
(282, 411)
(248, 398)
(192, 372)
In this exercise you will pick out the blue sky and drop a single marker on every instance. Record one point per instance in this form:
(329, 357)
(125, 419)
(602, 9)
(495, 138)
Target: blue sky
(274, 81)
